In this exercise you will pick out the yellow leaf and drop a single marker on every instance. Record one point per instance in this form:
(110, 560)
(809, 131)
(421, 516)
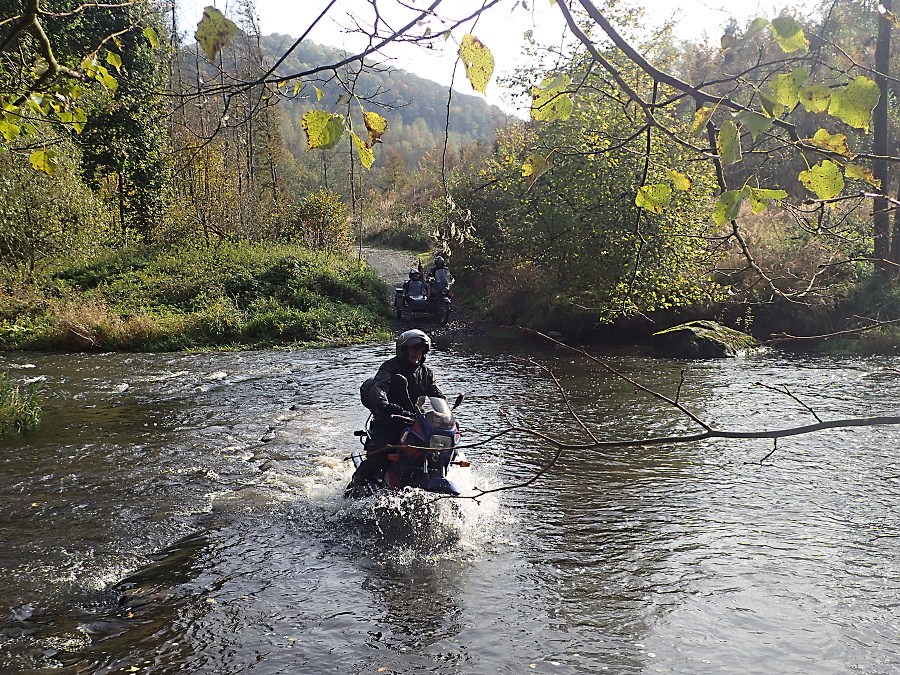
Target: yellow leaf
(533, 168)
(366, 156)
(478, 62)
(834, 142)
(701, 117)
(679, 180)
(376, 125)
(857, 172)
(824, 179)
(214, 32)
(653, 197)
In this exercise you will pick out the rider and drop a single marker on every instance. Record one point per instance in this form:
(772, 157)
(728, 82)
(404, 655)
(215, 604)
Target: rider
(394, 401)
(414, 286)
(441, 275)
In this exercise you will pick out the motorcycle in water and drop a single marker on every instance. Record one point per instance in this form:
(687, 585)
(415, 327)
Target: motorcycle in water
(432, 297)
(428, 448)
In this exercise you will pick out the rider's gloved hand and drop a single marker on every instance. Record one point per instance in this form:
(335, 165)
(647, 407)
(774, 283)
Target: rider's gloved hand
(394, 409)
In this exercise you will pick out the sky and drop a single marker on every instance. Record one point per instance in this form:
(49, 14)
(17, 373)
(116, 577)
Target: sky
(502, 28)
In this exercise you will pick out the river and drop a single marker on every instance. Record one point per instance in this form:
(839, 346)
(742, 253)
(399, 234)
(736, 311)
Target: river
(184, 513)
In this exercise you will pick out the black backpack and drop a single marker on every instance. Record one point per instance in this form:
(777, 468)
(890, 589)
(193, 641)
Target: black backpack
(366, 395)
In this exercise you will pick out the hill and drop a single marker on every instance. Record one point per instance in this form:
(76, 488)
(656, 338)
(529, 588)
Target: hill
(415, 107)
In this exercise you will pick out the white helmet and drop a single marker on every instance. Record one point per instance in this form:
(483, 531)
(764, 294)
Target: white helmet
(412, 337)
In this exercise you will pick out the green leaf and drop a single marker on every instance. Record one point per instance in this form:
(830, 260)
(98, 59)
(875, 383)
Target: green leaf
(549, 101)
(729, 206)
(44, 160)
(679, 180)
(752, 122)
(214, 31)
(653, 197)
(789, 34)
(151, 36)
(366, 156)
(834, 142)
(772, 107)
(376, 125)
(323, 129)
(533, 168)
(854, 104)
(824, 179)
(786, 86)
(114, 60)
(759, 198)
(9, 130)
(729, 143)
(756, 27)
(478, 62)
(815, 98)
(701, 117)
(858, 172)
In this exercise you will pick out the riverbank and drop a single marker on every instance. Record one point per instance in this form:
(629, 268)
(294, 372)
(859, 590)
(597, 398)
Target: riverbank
(236, 295)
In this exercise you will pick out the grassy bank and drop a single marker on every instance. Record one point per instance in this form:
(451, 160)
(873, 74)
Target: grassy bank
(172, 298)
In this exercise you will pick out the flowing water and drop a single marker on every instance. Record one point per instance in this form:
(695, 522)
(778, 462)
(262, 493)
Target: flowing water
(184, 513)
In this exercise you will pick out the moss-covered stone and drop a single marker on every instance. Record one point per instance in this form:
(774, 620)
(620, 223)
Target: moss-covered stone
(700, 340)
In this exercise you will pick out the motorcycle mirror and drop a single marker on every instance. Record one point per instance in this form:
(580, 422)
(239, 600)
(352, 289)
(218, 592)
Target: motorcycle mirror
(459, 400)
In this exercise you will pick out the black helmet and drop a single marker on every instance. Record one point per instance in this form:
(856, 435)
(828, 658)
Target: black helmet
(415, 275)
(439, 262)
(412, 337)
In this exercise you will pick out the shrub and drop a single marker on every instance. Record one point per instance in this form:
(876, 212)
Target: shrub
(19, 410)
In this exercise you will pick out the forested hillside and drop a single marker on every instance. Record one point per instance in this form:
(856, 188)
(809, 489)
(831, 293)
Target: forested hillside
(415, 108)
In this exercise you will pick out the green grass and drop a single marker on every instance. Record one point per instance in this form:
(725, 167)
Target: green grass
(19, 410)
(231, 296)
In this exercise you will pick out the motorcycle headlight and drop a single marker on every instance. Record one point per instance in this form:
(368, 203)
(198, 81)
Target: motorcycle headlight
(439, 442)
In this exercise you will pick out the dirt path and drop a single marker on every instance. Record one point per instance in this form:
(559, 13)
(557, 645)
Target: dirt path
(393, 267)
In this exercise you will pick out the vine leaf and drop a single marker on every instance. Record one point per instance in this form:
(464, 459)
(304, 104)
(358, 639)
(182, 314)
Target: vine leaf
(376, 125)
(679, 180)
(44, 160)
(770, 105)
(549, 101)
(366, 155)
(151, 36)
(824, 179)
(701, 117)
(114, 60)
(323, 129)
(478, 62)
(752, 122)
(729, 143)
(753, 30)
(786, 86)
(729, 205)
(854, 104)
(653, 197)
(214, 31)
(834, 142)
(858, 172)
(533, 168)
(815, 98)
(759, 198)
(789, 34)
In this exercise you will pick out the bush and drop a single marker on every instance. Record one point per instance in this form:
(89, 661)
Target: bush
(186, 296)
(19, 411)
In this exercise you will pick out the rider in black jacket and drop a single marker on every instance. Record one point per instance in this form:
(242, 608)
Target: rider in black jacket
(394, 400)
